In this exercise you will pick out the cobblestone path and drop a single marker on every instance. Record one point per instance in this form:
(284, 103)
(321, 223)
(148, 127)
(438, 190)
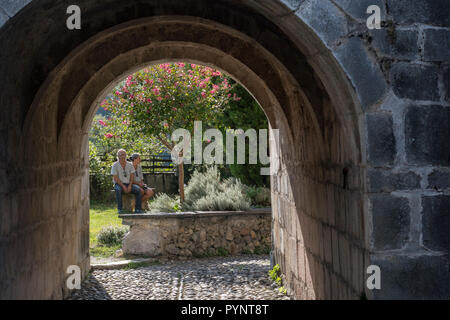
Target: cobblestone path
(224, 278)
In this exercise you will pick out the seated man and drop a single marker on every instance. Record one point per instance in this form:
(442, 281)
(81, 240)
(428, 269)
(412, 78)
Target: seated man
(123, 174)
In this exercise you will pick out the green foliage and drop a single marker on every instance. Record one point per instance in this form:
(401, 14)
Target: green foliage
(165, 203)
(205, 192)
(275, 274)
(262, 250)
(155, 101)
(222, 252)
(282, 290)
(111, 235)
(244, 113)
(259, 196)
(136, 265)
(104, 251)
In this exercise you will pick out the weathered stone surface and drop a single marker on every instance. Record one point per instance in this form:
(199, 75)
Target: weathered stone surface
(435, 40)
(446, 83)
(382, 144)
(3, 17)
(12, 7)
(366, 76)
(427, 130)
(390, 222)
(330, 27)
(436, 222)
(358, 8)
(387, 181)
(439, 179)
(415, 81)
(413, 277)
(432, 12)
(142, 238)
(403, 44)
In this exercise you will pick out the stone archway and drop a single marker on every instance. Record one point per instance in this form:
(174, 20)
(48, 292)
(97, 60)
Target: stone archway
(305, 75)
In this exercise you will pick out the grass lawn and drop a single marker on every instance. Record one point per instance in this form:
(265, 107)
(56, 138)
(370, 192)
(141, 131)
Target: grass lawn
(102, 215)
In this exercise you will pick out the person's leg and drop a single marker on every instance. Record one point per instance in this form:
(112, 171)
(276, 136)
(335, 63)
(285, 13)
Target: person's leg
(118, 190)
(137, 192)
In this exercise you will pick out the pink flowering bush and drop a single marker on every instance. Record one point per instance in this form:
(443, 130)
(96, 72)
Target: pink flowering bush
(155, 101)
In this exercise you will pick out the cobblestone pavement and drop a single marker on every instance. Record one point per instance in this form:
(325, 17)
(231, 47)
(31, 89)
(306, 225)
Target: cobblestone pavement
(222, 278)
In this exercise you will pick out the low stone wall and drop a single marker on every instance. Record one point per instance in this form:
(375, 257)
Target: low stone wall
(197, 233)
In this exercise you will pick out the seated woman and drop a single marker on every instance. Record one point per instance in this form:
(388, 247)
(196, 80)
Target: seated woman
(138, 180)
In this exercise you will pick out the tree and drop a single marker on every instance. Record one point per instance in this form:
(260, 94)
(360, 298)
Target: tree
(155, 101)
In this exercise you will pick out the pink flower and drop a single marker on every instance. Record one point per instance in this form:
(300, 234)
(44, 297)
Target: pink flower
(159, 98)
(174, 109)
(181, 64)
(109, 135)
(118, 93)
(102, 123)
(149, 100)
(193, 65)
(203, 94)
(156, 91)
(166, 125)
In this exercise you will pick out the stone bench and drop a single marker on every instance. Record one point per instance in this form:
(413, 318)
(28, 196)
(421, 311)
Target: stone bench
(197, 233)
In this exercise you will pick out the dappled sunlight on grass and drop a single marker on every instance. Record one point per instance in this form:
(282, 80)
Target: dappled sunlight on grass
(102, 215)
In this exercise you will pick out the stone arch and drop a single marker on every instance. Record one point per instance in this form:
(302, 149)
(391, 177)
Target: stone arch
(296, 58)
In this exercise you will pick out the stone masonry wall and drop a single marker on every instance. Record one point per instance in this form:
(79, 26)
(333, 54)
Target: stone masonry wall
(401, 74)
(188, 234)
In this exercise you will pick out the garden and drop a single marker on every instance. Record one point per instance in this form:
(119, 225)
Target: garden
(140, 115)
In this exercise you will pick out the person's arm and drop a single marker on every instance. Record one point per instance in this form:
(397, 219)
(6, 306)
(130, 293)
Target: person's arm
(131, 181)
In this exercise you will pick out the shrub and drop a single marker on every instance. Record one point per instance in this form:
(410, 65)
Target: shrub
(164, 203)
(205, 192)
(259, 196)
(275, 274)
(111, 235)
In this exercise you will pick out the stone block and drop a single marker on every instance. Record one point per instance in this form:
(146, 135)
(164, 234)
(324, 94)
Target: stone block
(328, 22)
(404, 45)
(413, 277)
(415, 81)
(3, 18)
(427, 132)
(432, 12)
(382, 144)
(364, 73)
(439, 179)
(335, 248)
(142, 240)
(387, 181)
(435, 42)
(358, 8)
(446, 83)
(436, 222)
(11, 7)
(391, 222)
